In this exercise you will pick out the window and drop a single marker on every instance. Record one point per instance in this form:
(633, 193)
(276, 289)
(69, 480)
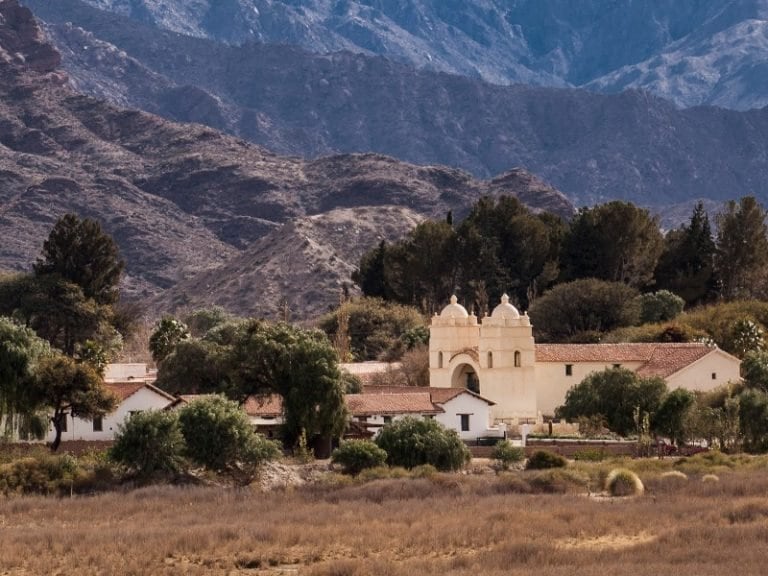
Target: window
(714, 375)
(517, 359)
(464, 422)
(490, 359)
(617, 365)
(387, 419)
(64, 423)
(569, 369)
(98, 424)
(439, 359)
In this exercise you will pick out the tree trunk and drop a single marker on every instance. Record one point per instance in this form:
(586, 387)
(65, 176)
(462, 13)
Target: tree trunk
(57, 419)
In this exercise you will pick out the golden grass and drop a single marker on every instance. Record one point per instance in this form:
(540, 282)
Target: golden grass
(443, 524)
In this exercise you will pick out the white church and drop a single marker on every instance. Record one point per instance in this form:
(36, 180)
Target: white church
(497, 358)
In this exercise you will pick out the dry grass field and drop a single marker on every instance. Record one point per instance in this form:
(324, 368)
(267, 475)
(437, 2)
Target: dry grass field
(443, 524)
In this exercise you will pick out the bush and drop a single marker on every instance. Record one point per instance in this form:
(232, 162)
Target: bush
(219, 436)
(47, 474)
(710, 478)
(543, 459)
(410, 442)
(590, 455)
(354, 456)
(660, 306)
(505, 454)
(623, 482)
(149, 444)
(558, 481)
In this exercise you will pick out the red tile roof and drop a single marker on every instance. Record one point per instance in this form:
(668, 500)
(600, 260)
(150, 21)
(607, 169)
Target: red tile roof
(264, 405)
(659, 359)
(123, 390)
(438, 395)
(391, 404)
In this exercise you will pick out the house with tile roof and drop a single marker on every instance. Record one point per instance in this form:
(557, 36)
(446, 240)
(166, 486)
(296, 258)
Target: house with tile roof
(133, 396)
(498, 358)
(459, 409)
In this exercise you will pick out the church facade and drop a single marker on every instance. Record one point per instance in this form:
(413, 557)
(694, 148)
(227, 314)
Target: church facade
(498, 358)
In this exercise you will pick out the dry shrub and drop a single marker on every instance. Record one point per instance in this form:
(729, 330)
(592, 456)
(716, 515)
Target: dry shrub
(623, 482)
(710, 478)
(557, 481)
(751, 512)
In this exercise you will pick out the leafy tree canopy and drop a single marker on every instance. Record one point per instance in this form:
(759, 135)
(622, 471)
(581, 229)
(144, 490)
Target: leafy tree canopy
(614, 394)
(79, 251)
(66, 387)
(168, 332)
(616, 242)
(583, 307)
(376, 328)
(411, 442)
(21, 351)
(219, 436)
(149, 444)
(299, 365)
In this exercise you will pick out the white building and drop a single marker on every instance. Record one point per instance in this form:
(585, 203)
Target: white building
(498, 358)
(132, 397)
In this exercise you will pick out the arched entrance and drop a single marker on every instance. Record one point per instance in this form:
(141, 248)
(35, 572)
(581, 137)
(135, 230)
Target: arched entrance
(465, 376)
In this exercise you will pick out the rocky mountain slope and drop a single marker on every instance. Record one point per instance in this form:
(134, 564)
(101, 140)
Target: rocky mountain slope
(593, 147)
(181, 199)
(693, 52)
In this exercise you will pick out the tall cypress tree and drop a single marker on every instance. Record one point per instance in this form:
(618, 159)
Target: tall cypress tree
(741, 258)
(686, 266)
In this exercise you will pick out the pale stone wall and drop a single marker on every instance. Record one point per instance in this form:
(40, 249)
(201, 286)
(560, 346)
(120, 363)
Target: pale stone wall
(699, 375)
(552, 382)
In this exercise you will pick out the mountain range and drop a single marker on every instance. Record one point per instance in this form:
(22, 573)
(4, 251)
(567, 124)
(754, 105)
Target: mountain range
(593, 147)
(223, 219)
(689, 51)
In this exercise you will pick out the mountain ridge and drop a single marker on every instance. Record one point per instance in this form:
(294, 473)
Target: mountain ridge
(598, 44)
(183, 199)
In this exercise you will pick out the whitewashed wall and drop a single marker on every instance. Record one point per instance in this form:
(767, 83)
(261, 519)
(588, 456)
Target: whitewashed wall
(78, 429)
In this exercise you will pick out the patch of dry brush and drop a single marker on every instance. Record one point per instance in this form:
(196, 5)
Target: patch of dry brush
(445, 524)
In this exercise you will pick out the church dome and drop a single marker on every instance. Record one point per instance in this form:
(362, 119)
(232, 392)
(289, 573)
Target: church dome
(505, 309)
(454, 310)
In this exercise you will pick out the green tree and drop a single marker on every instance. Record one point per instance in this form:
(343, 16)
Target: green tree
(299, 365)
(376, 328)
(687, 264)
(411, 442)
(59, 312)
(168, 332)
(661, 306)
(150, 443)
(754, 370)
(194, 367)
(371, 276)
(421, 269)
(81, 253)
(742, 249)
(505, 454)
(354, 456)
(219, 436)
(616, 242)
(746, 336)
(615, 394)
(672, 417)
(66, 387)
(503, 248)
(582, 307)
(203, 320)
(21, 350)
(753, 419)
